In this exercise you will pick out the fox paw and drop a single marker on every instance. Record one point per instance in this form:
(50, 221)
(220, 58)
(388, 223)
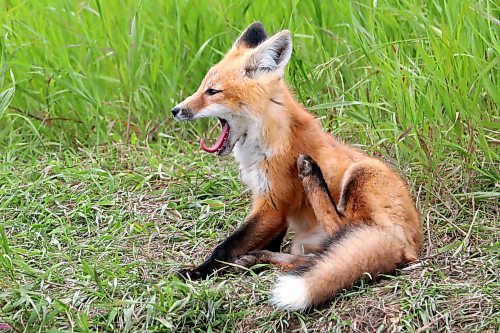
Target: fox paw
(305, 165)
(246, 261)
(189, 274)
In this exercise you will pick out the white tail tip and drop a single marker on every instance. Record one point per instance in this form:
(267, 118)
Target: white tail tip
(290, 293)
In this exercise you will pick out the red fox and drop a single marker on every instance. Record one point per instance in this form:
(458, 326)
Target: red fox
(350, 214)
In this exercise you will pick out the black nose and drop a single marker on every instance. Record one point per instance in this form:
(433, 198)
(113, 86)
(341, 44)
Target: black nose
(175, 111)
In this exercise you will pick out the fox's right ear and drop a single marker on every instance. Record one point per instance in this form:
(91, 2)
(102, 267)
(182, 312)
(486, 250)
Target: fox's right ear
(252, 36)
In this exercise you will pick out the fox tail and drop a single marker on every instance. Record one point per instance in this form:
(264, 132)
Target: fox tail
(347, 257)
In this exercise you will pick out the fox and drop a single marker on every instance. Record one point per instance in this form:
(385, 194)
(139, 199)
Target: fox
(349, 214)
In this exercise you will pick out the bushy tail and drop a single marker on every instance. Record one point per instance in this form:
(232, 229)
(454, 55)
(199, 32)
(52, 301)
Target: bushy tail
(367, 249)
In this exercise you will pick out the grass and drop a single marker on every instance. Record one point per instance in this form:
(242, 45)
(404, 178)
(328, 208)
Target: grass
(103, 196)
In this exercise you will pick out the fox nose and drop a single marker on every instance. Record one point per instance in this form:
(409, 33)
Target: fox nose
(175, 111)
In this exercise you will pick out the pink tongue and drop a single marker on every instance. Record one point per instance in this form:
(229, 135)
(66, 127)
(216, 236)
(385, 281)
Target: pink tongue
(222, 137)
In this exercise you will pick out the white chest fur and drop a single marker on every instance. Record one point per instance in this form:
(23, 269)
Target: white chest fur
(250, 156)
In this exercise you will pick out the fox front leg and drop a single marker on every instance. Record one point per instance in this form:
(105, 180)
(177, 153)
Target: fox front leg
(258, 231)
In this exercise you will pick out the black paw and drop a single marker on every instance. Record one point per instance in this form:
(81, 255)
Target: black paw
(189, 274)
(305, 165)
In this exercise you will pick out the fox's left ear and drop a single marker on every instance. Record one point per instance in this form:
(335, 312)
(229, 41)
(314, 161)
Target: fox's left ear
(270, 56)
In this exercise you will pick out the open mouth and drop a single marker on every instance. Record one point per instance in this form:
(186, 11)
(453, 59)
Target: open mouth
(220, 146)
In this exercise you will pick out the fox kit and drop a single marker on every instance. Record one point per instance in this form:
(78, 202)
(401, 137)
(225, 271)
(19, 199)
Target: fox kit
(350, 214)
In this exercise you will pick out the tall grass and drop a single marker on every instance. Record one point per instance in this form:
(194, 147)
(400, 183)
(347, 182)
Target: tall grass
(91, 72)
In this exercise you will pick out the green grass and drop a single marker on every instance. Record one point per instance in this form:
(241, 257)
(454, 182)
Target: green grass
(103, 196)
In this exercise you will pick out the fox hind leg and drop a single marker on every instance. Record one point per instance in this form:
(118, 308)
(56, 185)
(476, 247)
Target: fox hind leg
(319, 195)
(282, 260)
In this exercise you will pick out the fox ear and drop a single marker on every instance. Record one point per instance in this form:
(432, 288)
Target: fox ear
(271, 56)
(252, 36)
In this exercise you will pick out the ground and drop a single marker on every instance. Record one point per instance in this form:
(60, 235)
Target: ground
(92, 239)
(103, 196)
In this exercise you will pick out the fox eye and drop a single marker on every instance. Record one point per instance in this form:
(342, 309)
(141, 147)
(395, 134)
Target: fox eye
(211, 91)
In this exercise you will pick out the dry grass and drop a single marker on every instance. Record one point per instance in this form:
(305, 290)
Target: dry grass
(92, 249)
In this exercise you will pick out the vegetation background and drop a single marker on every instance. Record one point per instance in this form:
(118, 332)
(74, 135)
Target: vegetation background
(103, 196)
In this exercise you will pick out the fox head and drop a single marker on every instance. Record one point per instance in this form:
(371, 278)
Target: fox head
(238, 89)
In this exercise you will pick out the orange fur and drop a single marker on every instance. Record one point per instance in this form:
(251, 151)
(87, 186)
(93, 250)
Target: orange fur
(367, 192)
